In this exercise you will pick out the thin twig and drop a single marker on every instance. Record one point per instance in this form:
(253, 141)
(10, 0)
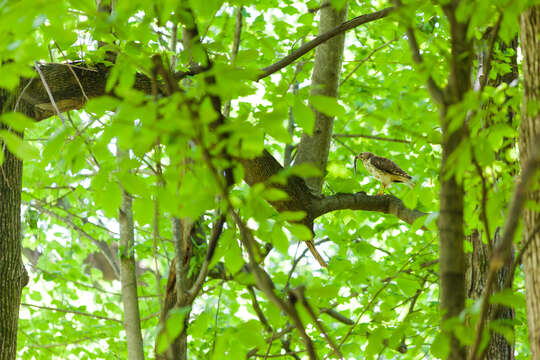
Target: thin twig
(378, 292)
(21, 94)
(72, 71)
(484, 200)
(258, 310)
(337, 316)
(102, 245)
(234, 52)
(49, 93)
(299, 292)
(77, 312)
(493, 38)
(64, 344)
(381, 138)
(435, 91)
(372, 52)
(345, 145)
(523, 249)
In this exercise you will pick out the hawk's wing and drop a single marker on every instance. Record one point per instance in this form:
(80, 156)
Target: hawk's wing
(389, 167)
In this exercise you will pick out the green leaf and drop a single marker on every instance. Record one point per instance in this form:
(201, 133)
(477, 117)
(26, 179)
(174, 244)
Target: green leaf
(35, 295)
(233, 253)
(410, 199)
(274, 123)
(133, 184)
(304, 170)
(440, 347)
(327, 105)
(408, 286)
(338, 170)
(9, 76)
(100, 105)
(300, 231)
(303, 116)
(250, 334)
(291, 215)
(279, 239)
(18, 146)
(17, 121)
(54, 144)
(273, 194)
(173, 326)
(508, 298)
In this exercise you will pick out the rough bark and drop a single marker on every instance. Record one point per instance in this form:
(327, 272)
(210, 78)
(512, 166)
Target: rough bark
(177, 291)
(13, 276)
(529, 129)
(325, 77)
(452, 256)
(128, 279)
(450, 222)
(498, 347)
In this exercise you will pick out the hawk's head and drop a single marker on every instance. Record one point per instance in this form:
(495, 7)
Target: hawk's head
(364, 156)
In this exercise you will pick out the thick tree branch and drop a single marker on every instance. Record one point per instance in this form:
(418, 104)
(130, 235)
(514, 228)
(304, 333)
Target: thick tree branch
(387, 204)
(302, 50)
(73, 84)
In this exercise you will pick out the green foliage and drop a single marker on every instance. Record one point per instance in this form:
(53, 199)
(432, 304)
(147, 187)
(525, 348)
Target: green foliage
(382, 273)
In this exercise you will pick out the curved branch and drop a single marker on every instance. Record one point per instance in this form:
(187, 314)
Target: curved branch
(302, 50)
(387, 204)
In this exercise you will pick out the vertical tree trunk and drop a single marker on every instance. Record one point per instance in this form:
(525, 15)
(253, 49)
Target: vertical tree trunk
(477, 270)
(530, 127)
(186, 234)
(450, 223)
(13, 275)
(326, 69)
(128, 278)
(478, 261)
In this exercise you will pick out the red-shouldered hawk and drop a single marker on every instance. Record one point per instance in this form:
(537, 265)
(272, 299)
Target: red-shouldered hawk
(384, 170)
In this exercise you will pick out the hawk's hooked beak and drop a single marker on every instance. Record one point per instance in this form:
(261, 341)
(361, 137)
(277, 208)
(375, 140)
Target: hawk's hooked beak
(355, 158)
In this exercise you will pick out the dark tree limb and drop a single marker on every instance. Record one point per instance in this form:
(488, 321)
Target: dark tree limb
(302, 50)
(387, 204)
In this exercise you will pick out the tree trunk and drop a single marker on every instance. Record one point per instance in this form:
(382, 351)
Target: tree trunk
(498, 347)
(477, 271)
(450, 223)
(128, 278)
(326, 69)
(530, 127)
(13, 275)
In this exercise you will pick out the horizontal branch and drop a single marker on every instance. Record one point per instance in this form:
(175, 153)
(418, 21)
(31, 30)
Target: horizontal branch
(302, 50)
(373, 137)
(387, 204)
(75, 312)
